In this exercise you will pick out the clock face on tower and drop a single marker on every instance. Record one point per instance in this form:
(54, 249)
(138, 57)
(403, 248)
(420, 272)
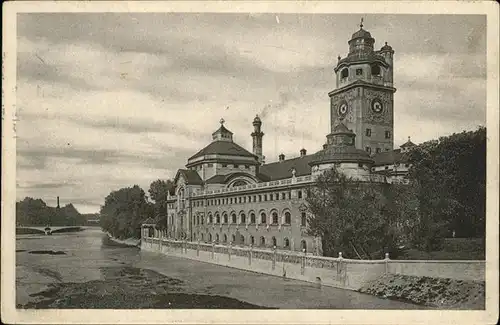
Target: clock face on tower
(342, 109)
(377, 106)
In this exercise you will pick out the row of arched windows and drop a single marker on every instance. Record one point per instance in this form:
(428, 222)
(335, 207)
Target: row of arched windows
(247, 199)
(251, 240)
(286, 218)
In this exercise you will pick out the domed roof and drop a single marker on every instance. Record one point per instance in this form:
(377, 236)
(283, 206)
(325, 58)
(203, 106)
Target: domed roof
(337, 154)
(361, 33)
(341, 128)
(386, 48)
(257, 119)
(340, 148)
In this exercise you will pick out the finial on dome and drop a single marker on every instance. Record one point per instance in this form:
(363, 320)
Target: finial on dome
(409, 139)
(338, 57)
(361, 24)
(385, 43)
(222, 121)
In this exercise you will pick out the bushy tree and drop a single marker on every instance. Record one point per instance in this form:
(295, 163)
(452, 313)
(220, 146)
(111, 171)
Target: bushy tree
(123, 212)
(356, 218)
(158, 192)
(35, 212)
(449, 175)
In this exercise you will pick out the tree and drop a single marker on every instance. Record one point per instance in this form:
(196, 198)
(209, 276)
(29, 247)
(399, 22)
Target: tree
(450, 177)
(158, 192)
(352, 217)
(123, 212)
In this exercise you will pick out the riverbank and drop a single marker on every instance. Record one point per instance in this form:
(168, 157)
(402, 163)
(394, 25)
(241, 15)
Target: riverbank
(129, 288)
(426, 291)
(129, 242)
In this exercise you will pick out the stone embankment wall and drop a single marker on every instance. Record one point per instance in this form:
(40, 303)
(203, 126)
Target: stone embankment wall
(337, 272)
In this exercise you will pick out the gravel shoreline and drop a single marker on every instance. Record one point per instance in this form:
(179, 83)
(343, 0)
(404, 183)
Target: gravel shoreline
(129, 288)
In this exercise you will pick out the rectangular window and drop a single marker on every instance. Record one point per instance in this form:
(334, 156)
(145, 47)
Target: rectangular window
(377, 150)
(387, 134)
(265, 197)
(236, 166)
(368, 132)
(283, 195)
(303, 219)
(299, 194)
(210, 165)
(368, 149)
(359, 72)
(277, 196)
(271, 197)
(224, 165)
(247, 167)
(255, 198)
(260, 198)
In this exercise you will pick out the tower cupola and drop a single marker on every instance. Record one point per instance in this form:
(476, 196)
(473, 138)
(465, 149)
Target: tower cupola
(222, 134)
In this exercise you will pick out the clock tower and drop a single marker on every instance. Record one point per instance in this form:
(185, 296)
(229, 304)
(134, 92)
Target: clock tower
(364, 96)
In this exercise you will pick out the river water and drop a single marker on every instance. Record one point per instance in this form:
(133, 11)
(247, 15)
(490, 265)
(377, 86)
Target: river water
(82, 270)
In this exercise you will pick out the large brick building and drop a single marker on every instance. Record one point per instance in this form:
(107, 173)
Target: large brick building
(227, 194)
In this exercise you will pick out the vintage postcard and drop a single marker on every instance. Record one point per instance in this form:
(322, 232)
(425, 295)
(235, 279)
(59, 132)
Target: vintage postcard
(240, 162)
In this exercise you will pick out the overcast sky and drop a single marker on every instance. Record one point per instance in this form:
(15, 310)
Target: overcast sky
(112, 100)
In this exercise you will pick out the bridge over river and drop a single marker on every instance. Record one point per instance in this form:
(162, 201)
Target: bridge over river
(47, 229)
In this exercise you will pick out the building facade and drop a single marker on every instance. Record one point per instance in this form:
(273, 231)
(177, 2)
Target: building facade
(227, 194)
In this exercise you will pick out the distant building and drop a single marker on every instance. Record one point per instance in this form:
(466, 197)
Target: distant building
(228, 194)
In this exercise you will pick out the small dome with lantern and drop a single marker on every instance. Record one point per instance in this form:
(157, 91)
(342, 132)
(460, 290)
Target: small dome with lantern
(341, 148)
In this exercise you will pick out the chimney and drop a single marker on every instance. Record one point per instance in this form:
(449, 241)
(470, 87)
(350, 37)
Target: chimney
(303, 152)
(257, 135)
(281, 157)
(58, 202)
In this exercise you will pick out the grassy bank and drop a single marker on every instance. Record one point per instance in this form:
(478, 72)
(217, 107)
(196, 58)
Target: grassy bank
(432, 292)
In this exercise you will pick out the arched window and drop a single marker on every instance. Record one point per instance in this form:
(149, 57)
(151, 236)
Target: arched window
(239, 183)
(286, 243)
(288, 218)
(275, 218)
(242, 239)
(202, 219)
(344, 73)
(303, 245)
(303, 219)
(217, 218)
(198, 219)
(243, 218)
(252, 240)
(252, 217)
(210, 219)
(233, 218)
(263, 217)
(216, 238)
(202, 237)
(262, 241)
(233, 238)
(275, 243)
(225, 238)
(210, 237)
(375, 70)
(194, 236)
(225, 218)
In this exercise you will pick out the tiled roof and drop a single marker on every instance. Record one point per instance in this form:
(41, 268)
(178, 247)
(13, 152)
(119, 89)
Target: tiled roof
(223, 148)
(283, 169)
(391, 157)
(341, 154)
(223, 179)
(361, 34)
(216, 179)
(191, 177)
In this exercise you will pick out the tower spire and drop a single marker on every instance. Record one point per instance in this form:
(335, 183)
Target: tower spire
(361, 23)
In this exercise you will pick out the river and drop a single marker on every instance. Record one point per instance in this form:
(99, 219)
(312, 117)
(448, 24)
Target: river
(82, 270)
